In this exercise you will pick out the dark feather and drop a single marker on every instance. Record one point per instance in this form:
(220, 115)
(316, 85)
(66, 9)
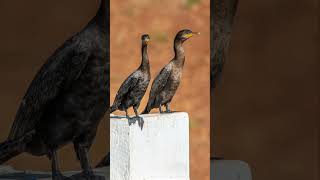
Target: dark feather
(124, 89)
(157, 86)
(221, 27)
(57, 74)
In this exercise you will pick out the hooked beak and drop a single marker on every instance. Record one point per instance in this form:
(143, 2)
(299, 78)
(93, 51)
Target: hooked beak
(189, 35)
(196, 33)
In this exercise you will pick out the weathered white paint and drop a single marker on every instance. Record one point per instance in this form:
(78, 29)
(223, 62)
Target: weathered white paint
(230, 170)
(160, 151)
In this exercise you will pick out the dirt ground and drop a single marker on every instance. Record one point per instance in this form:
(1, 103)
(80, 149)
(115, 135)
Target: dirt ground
(162, 20)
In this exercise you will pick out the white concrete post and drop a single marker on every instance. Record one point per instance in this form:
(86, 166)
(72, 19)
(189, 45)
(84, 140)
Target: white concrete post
(160, 151)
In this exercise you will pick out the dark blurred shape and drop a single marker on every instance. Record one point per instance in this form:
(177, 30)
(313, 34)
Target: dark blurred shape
(222, 15)
(267, 106)
(66, 100)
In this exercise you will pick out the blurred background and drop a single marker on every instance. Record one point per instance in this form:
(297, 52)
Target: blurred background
(162, 19)
(30, 32)
(267, 104)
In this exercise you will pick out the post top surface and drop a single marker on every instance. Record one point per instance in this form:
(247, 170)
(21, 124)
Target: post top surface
(151, 115)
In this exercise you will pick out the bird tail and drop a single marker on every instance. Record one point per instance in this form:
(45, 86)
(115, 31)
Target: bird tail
(113, 108)
(12, 148)
(104, 162)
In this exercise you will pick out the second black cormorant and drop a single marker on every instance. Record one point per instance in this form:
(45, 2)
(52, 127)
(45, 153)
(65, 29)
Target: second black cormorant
(167, 81)
(134, 87)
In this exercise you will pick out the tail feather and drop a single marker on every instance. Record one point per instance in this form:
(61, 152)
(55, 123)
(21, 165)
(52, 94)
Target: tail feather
(12, 148)
(113, 108)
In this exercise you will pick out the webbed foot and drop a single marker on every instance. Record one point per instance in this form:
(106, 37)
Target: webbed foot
(133, 120)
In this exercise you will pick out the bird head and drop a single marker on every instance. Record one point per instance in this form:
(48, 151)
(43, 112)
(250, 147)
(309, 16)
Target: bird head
(185, 34)
(145, 39)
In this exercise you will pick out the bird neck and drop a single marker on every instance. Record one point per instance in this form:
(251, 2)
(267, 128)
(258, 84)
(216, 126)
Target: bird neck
(101, 16)
(178, 52)
(145, 66)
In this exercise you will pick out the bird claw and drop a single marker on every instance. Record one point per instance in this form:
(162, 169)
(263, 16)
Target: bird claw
(133, 120)
(140, 122)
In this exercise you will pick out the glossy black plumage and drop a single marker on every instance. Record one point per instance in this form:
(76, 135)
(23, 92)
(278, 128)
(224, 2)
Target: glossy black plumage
(221, 27)
(66, 100)
(167, 81)
(222, 20)
(134, 87)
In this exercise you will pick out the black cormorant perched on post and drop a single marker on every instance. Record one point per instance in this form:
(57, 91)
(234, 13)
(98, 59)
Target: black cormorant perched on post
(166, 83)
(66, 100)
(134, 87)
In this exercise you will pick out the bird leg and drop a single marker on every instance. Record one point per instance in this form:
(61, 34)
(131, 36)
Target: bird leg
(87, 172)
(140, 119)
(168, 108)
(56, 173)
(130, 120)
(84, 160)
(160, 110)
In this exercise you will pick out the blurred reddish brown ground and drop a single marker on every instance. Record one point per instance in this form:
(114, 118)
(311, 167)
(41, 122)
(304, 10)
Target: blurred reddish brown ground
(161, 20)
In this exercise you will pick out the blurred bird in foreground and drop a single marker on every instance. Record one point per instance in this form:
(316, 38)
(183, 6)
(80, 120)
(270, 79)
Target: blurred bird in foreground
(65, 101)
(167, 81)
(134, 87)
(222, 20)
(221, 27)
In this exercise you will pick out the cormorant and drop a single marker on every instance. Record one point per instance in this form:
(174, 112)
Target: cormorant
(66, 100)
(221, 26)
(167, 81)
(134, 87)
